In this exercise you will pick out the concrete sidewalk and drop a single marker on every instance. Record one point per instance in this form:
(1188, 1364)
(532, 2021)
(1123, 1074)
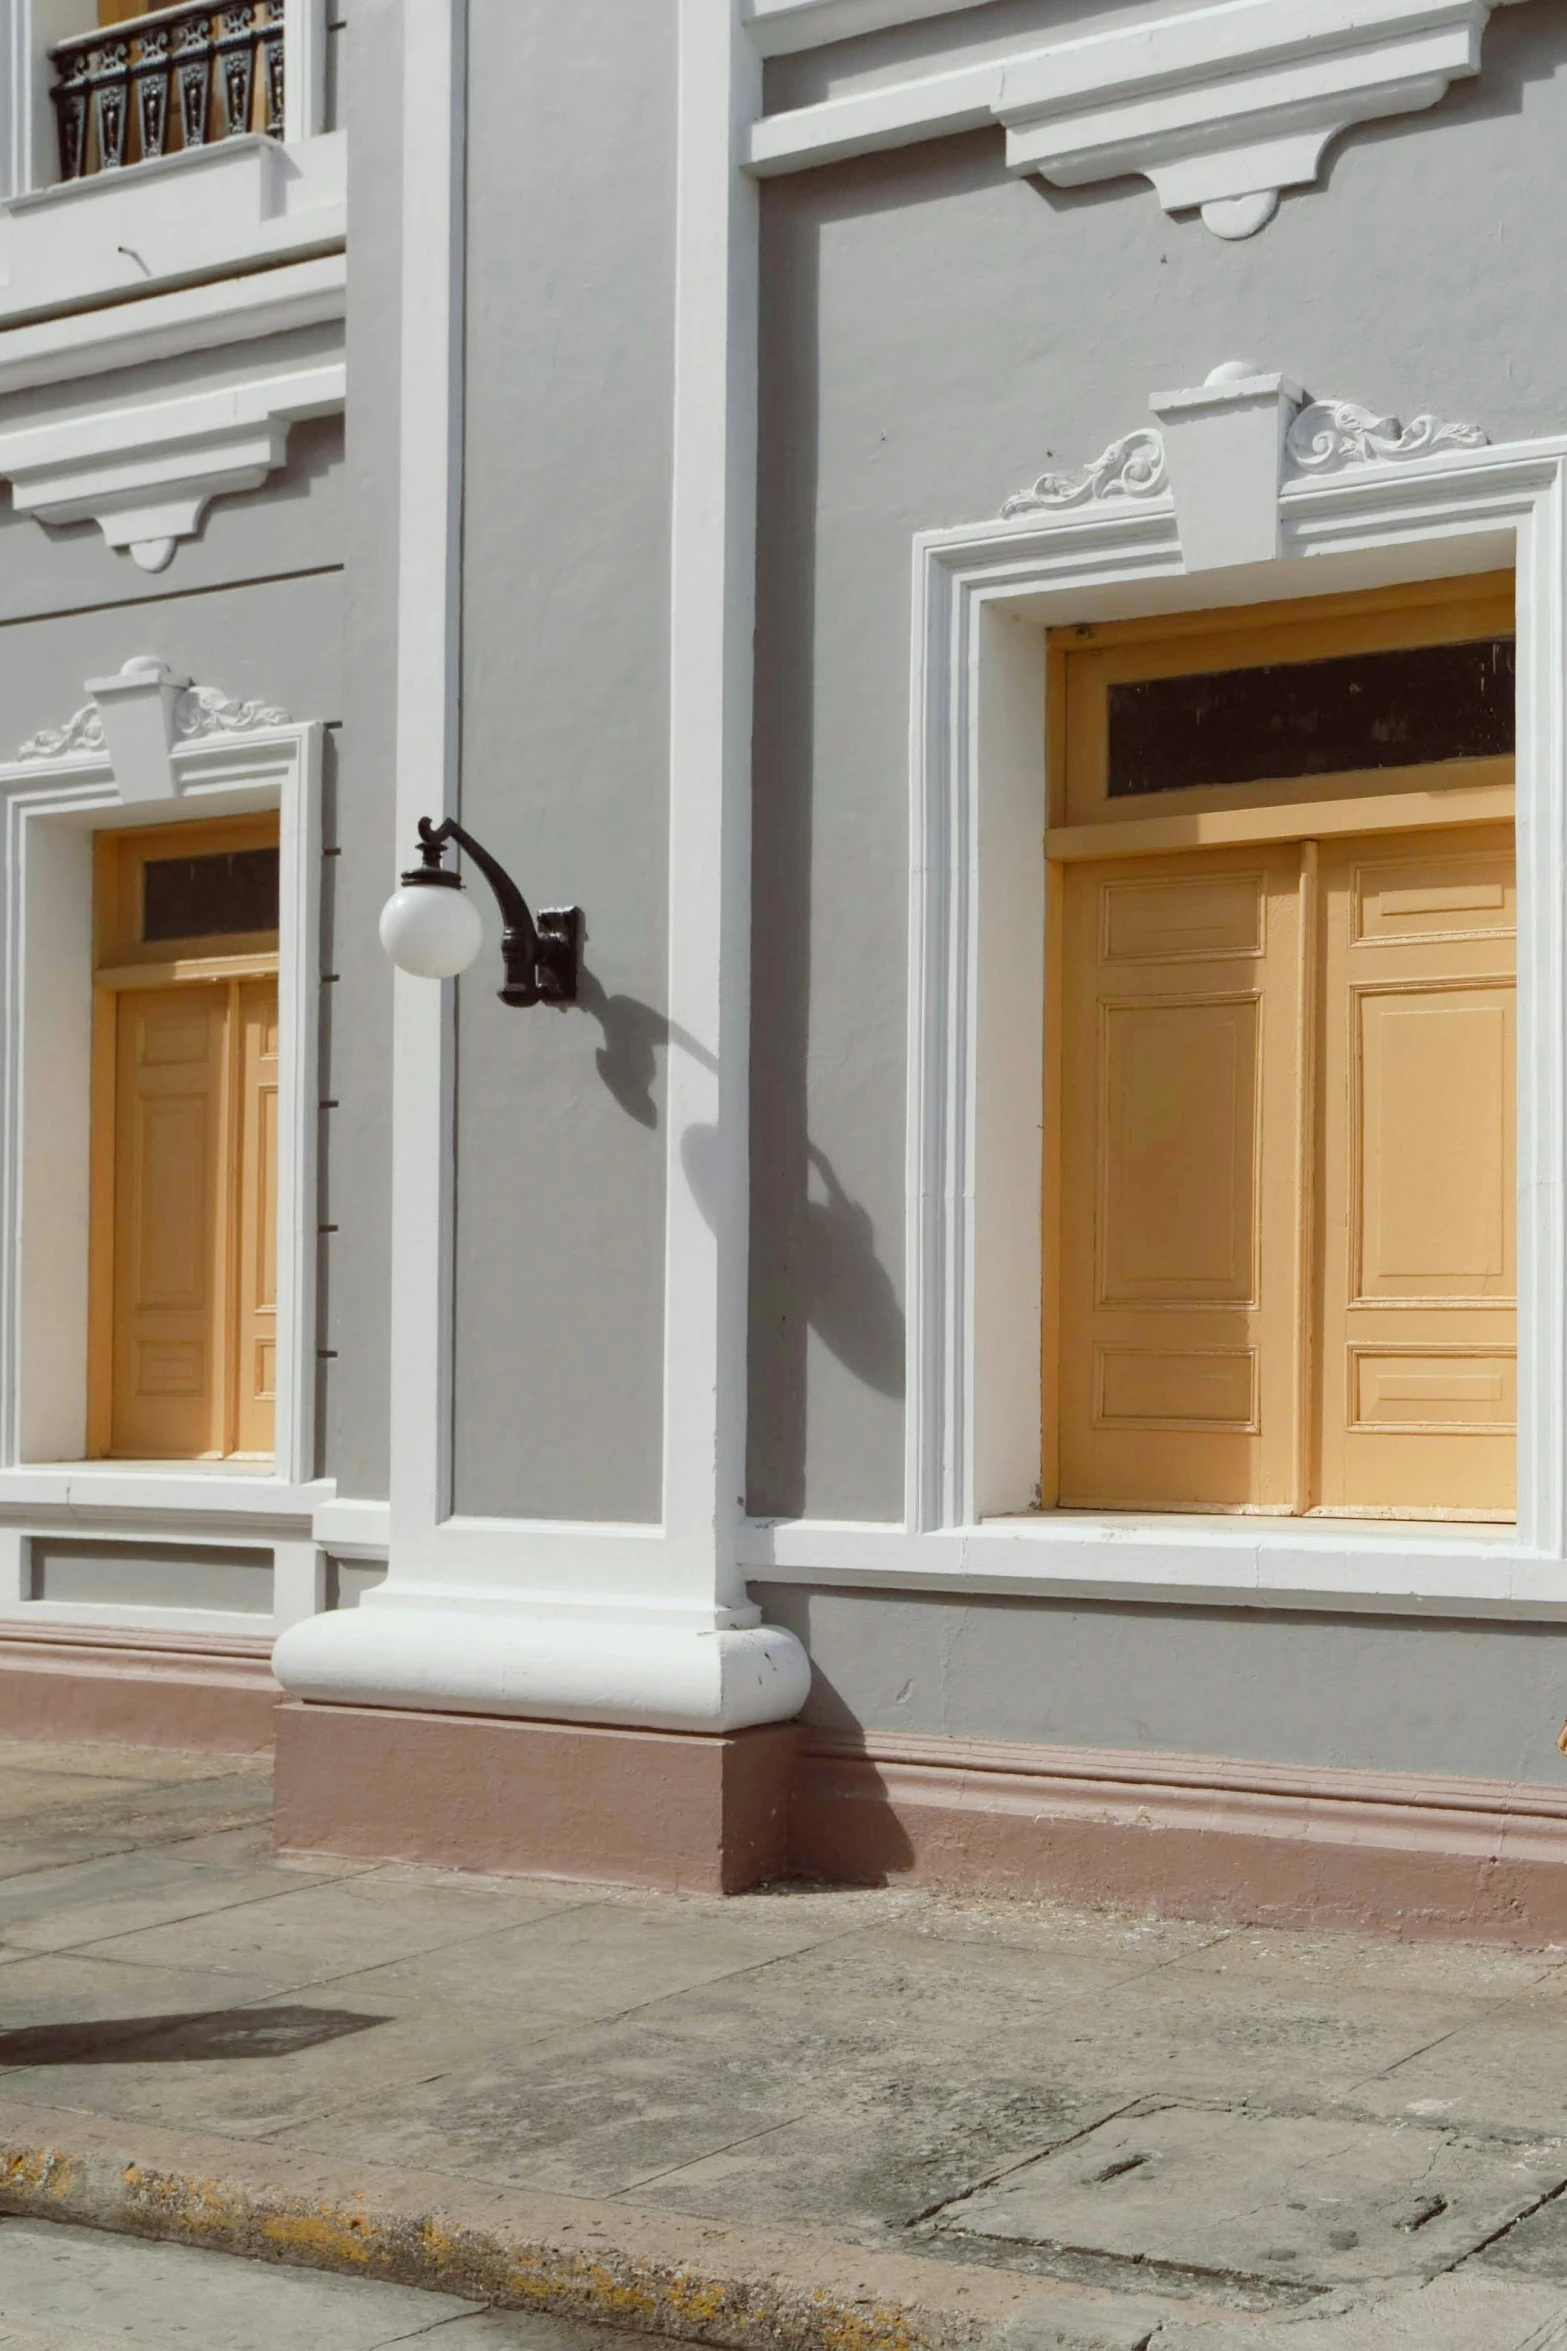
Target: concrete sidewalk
(803, 2117)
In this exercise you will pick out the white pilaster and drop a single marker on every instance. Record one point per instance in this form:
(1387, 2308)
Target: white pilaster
(595, 1623)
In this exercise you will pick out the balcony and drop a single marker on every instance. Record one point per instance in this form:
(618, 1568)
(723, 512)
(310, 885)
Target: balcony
(174, 79)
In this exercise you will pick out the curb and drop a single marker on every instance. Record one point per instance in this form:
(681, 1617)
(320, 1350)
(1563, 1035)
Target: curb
(618, 2265)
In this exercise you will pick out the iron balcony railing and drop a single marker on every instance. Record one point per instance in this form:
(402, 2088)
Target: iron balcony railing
(178, 77)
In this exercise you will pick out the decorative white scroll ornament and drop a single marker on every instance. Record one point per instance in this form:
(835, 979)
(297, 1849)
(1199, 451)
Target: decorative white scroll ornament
(198, 710)
(82, 732)
(1330, 434)
(207, 710)
(1130, 468)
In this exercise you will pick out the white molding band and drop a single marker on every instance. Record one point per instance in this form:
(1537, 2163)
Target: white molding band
(1393, 504)
(146, 473)
(185, 754)
(1219, 106)
(777, 27)
(207, 317)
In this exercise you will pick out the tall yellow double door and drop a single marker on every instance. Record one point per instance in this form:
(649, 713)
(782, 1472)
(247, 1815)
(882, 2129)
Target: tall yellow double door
(1286, 1270)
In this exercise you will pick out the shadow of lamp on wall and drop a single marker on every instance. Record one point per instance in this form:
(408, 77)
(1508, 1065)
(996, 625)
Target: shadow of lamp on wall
(431, 928)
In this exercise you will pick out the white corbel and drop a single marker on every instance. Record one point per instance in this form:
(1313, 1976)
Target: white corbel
(145, 474)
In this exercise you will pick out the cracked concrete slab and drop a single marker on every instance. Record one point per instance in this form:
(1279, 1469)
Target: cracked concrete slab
(1291, 2200)
(1453, 2314)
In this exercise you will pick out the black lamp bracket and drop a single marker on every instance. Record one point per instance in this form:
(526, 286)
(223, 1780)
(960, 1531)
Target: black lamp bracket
(541, 953)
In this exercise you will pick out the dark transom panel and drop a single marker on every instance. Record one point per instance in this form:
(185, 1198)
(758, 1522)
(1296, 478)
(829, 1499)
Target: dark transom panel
(1411, 707)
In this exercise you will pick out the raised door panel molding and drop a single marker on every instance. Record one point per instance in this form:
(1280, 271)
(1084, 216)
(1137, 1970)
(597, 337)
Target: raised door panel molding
(146, 473)
(1220, 107)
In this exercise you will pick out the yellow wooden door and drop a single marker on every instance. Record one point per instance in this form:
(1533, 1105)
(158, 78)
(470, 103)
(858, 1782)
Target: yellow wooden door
(255, 1363)
(1417, 1400)
(1179, 1123)
(193, 1343)
(169, 1118)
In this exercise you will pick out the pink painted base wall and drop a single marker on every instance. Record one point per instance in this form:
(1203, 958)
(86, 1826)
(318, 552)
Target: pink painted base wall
(642, 1808)
(1191, 1836)
(214, 1696)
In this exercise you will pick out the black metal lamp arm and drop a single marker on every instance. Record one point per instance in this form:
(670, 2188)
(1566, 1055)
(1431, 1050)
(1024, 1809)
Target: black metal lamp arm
(540, 955)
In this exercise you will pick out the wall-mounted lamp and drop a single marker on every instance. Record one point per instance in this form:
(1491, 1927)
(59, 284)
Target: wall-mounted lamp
(430, 926)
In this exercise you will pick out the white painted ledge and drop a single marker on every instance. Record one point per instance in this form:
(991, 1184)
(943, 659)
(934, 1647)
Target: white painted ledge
(352, 1529)
(207, 317)
(119, 1487)
(777, 27)
(241, 205)
(1219, 106)
(591, 1668)
(145, 473)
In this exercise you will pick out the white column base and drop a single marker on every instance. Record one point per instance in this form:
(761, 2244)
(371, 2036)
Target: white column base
(598, 1666)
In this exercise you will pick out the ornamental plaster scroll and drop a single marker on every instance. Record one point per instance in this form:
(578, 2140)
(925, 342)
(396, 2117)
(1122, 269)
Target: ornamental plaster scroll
(1132, 467)
(139, 718)
(81, 734)
(1226, 448)
(207, 710)
(1328, 435)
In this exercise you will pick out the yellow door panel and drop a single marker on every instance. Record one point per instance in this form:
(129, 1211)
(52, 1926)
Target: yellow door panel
(1432, 1214)
(1179, 1110)
(256, 1320)
(1417, 1181)
(168, 1125)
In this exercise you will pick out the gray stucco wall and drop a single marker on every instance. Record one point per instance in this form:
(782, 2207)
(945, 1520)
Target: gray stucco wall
(935, 334)
(559, 1312)
(1378, 1693)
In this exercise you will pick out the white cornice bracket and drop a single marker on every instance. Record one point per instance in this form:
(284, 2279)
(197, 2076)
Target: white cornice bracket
(146, 474)
(1219, 106)
(1222, 107)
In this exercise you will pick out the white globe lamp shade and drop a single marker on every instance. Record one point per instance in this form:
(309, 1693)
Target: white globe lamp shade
(431, 929)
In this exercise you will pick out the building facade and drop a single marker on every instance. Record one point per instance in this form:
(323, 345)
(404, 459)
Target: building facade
(1009, 558)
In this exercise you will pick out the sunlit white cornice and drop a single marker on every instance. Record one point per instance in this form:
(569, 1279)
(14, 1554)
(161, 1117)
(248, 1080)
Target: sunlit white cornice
(1220, 106)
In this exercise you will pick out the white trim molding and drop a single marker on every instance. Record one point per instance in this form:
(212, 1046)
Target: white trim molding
(146, 473)
(1220, 106)
(206, 317)
(777, 27)
(147, 747)
(1395, 504)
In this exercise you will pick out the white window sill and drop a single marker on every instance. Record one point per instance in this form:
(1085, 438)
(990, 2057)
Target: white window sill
(239, 1489)
(1342, 1565)
(211, 212)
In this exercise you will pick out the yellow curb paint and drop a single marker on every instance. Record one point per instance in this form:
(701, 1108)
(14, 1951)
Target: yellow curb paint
(612, 2287)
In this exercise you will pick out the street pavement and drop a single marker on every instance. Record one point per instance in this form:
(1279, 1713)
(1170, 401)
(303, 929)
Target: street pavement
(1151, 2135)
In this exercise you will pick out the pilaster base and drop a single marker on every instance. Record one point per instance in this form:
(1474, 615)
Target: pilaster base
(685, 1812)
